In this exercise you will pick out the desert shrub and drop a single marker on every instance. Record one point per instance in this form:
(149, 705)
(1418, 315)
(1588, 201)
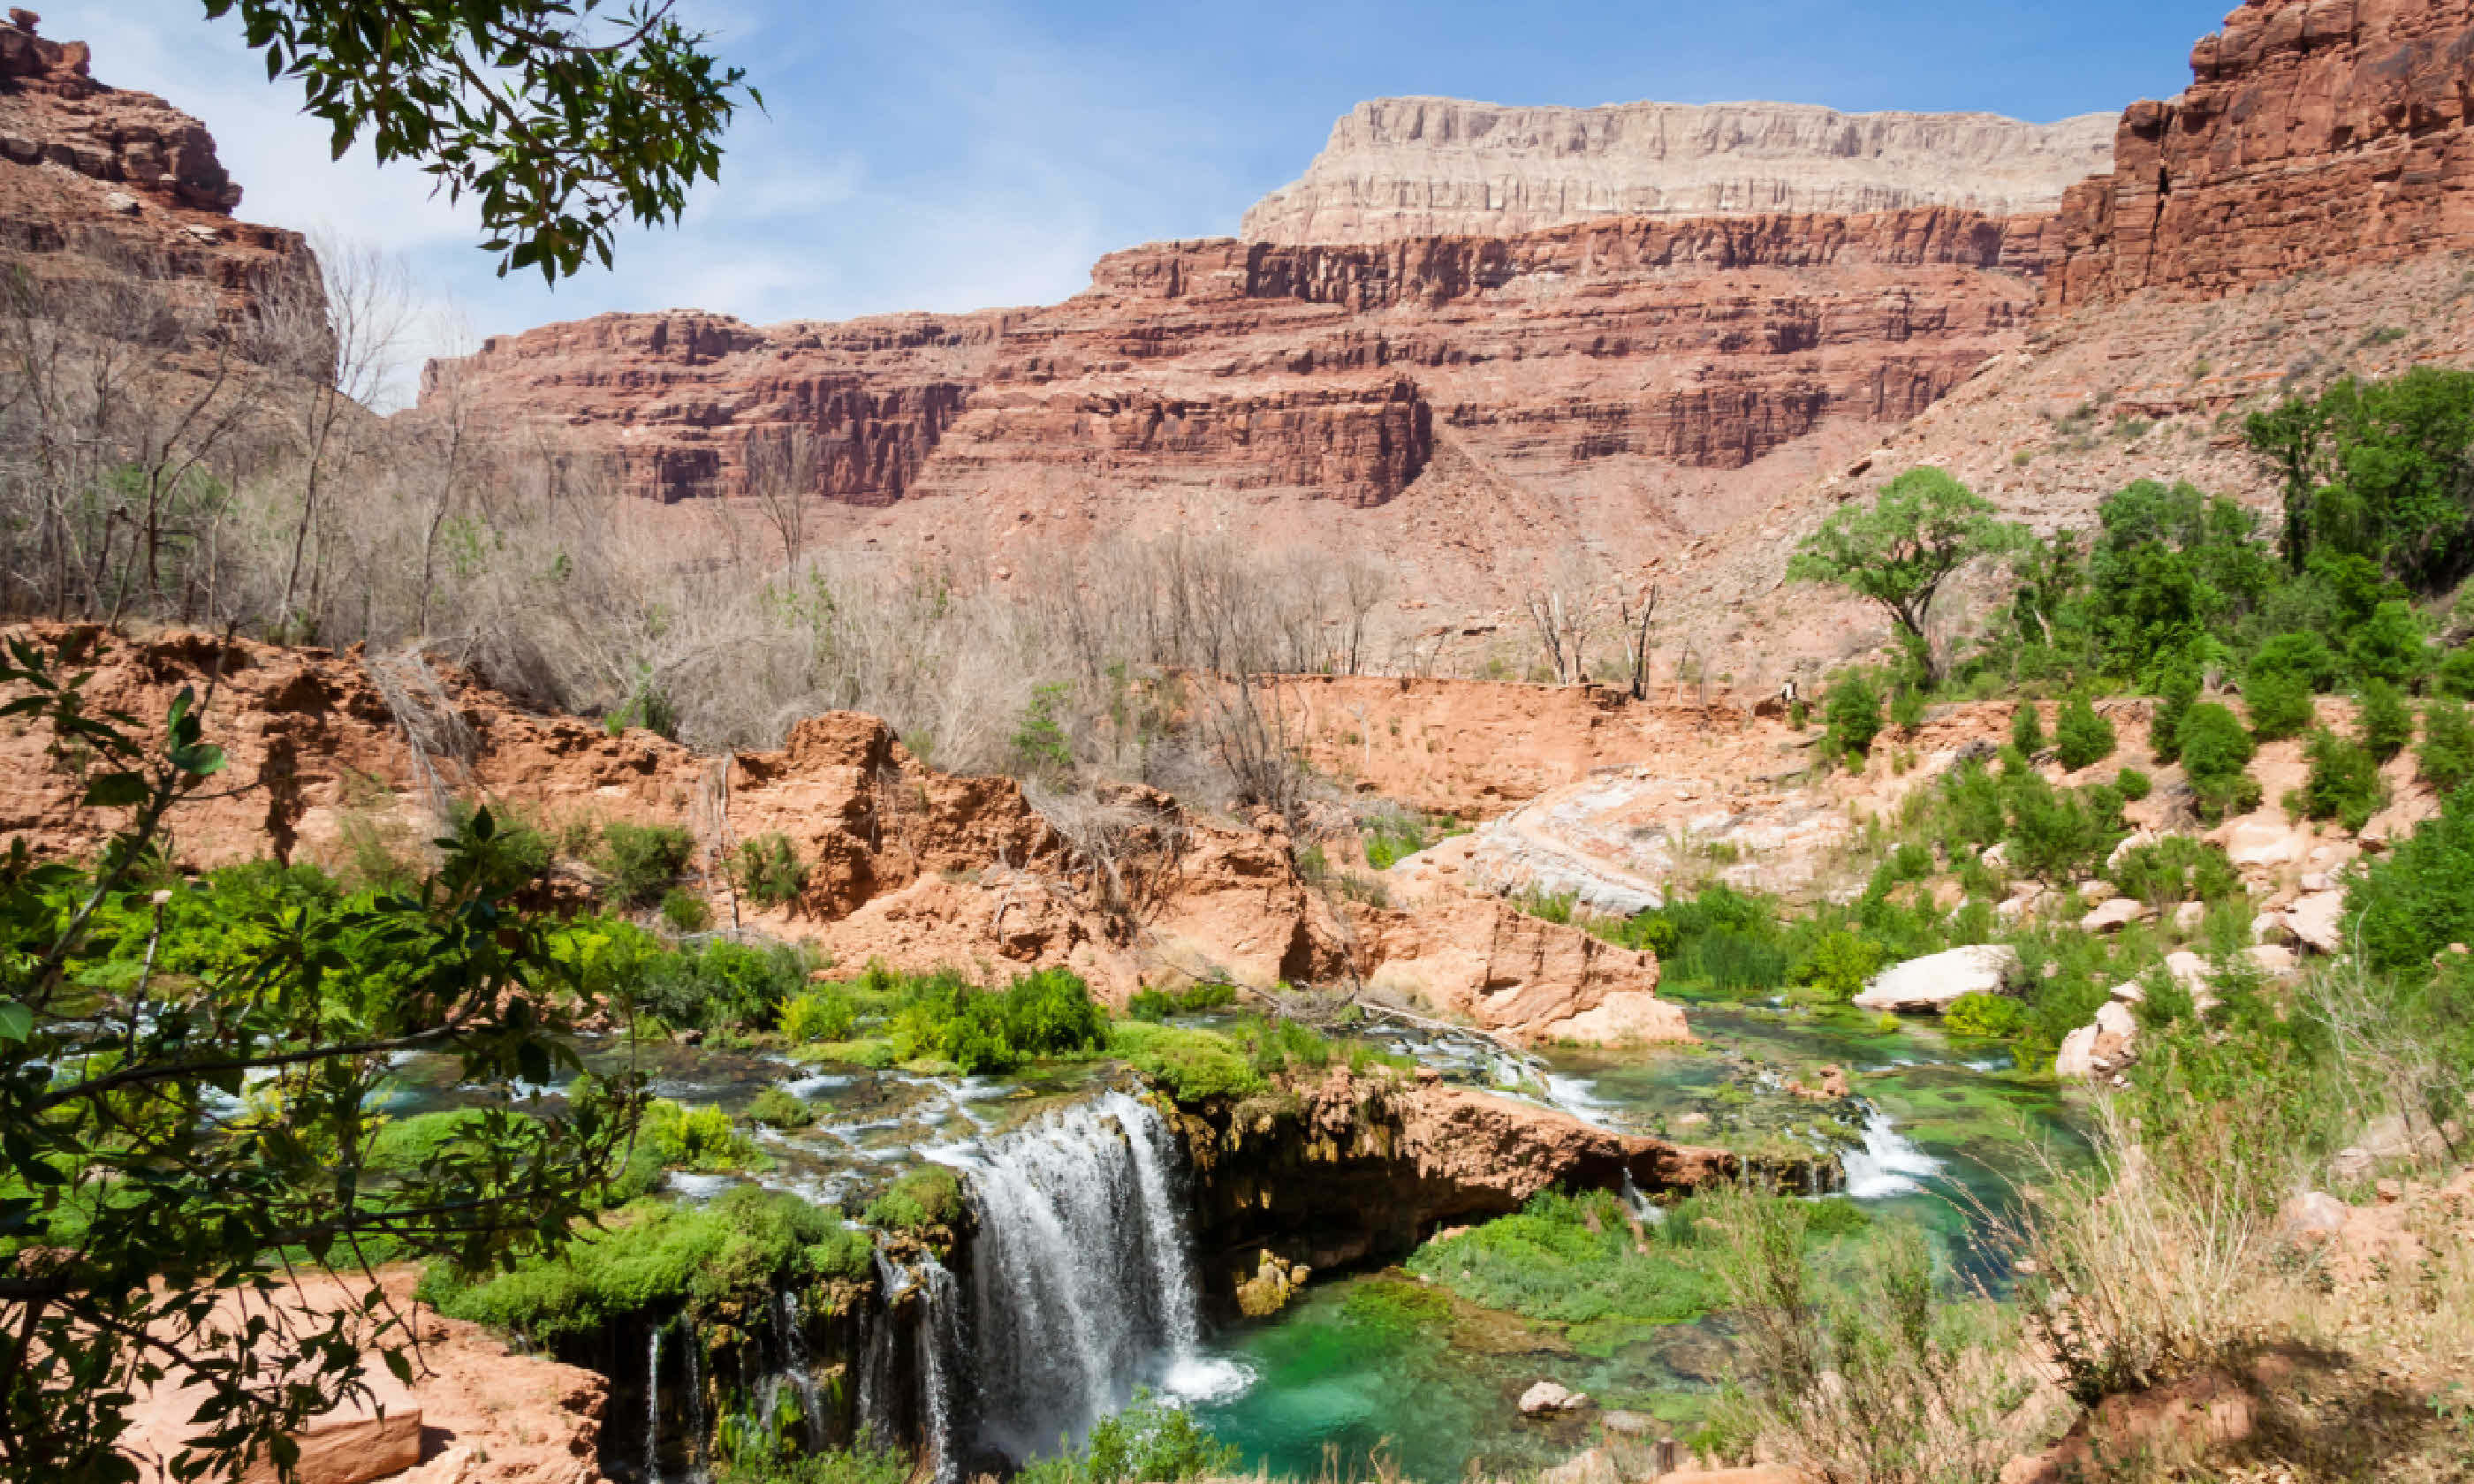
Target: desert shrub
(767, 871)
(2176, 869)
(644, 860)
(1987, 1016)
(2419, 898)
(2058, 834)
(1555, 907)
(1852, 715)
(1148, 1442)
(2344, 782)
(2133, 785)
(1393, 835)
(2216, 752)
(708, 1261)
(1192, 1064)
(2384, 720)
(821, 1014)
(2083, 737)
(2302, 657)
(923, 1196)
(2454, 675)
(2027, 728)
(2280, 706)
(944, 1017)
(684, 912)
(776, 1109)
(2445, 760)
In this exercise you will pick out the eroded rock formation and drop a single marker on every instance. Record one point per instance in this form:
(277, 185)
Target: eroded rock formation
(100, 187)
(2316, 134)
(1339, 371)
(1399, 168)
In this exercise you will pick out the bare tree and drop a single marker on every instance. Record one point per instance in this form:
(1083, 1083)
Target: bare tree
(1636, 615)
(783, 473)
(1563, 606)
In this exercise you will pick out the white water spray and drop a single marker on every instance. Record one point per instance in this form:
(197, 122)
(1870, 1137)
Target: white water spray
(1889, 1164)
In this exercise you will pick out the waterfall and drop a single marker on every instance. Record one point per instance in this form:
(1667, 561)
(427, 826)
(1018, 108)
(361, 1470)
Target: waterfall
(939, 1348)
(1082, 1284)
(876, 1414)
(653, 1410)
(695, 1405)
(1889, 1164)
(800, 1366)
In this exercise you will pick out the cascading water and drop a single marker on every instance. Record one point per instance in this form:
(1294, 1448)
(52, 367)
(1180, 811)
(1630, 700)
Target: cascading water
(1889, 1164)
(653, 1410)
(695, 1405)
(1083, 1282)
(939, 1349)
(799, 1365)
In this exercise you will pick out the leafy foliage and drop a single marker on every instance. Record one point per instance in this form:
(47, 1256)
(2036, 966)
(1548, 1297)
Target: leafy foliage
(1852, 715)
(1988, 1016)
(563, 130)
(187, 1078)
(923, 1197)
(2216, 752)
(2445, 760)
(2084, 738)
(2385, 721)
(2382, 470)
(1901, 548)
(2027, 728)
(768, 872)
(644, 861)
(2420, 898)
(1148, 1442)
(1049, 1012)
(2344, 782)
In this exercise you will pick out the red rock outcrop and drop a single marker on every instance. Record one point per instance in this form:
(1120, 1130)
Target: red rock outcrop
(1338, 371)
(98, 184)
(2316, 134)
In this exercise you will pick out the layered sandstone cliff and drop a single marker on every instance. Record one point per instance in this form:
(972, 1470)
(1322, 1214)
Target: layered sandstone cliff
(103, 189)
(1401, 168)
(1338, 371)
(2316, 134)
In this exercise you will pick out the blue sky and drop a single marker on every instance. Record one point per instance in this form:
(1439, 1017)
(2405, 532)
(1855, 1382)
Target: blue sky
(957, 156)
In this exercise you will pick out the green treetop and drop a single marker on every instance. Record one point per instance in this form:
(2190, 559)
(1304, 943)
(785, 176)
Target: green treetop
(1901, 548)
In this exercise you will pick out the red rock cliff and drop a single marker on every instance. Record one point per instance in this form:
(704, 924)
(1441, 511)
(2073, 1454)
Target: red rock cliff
(2315, 133)
(1337, 371)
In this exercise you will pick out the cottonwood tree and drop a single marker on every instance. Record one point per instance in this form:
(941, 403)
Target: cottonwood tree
(1901, 548)
(167, 1136)
(565, 118)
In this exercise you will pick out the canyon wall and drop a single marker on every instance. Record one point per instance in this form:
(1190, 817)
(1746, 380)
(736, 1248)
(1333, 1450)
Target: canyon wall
(1399, 168)
(102, 190)
(2316, 134)
(1335, 371)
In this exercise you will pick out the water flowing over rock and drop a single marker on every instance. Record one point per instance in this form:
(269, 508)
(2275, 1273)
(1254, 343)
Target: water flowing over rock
(1426, 167)
(1083, 1282)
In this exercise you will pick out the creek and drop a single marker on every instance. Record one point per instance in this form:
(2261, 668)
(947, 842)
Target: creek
(1077, 1286)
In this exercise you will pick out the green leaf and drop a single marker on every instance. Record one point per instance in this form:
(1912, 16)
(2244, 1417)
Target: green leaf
(16, 1020)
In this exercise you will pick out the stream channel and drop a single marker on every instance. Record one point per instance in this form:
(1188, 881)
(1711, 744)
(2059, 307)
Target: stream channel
(1080, 1286)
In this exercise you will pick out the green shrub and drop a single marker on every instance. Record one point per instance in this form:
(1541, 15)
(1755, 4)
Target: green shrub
(1393, 835)
(2058, 834)
(644, 860)
(401, 1145)
(1987, 1016)
(2419, 898)
(2301, 658)
(2083, 737)
(1853, 715)
(1193, 999)
(1192, 1064)
(1148, 1442)
(696, 1139)
(2455, 676)
(1841, 964)
(1907, 707)
(717, 984)
(820, 1013)
(776, 1109)
(751, 1452)
(2176, 869)
(2344, 782)
(2385, 721)
(709, 1260)
(686, 912)
(2280, 706)
(767, 872)
(2216, 752)
(2133, 785)
(1571, 1260)
(2173, 701)
(2446, 759)
(2027, 728)
(944, 1017)
(2389, 647)
(921, 1197)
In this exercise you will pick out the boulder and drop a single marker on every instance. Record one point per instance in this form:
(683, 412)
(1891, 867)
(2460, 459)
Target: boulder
(2261, 841)
(2100, 1048)
(2272, 959)
(2270, 927)
(2188, 916)
(2113, 916)
(1932, 983)
(1548, 1400)
(2319, 921)
(2313, 1216)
